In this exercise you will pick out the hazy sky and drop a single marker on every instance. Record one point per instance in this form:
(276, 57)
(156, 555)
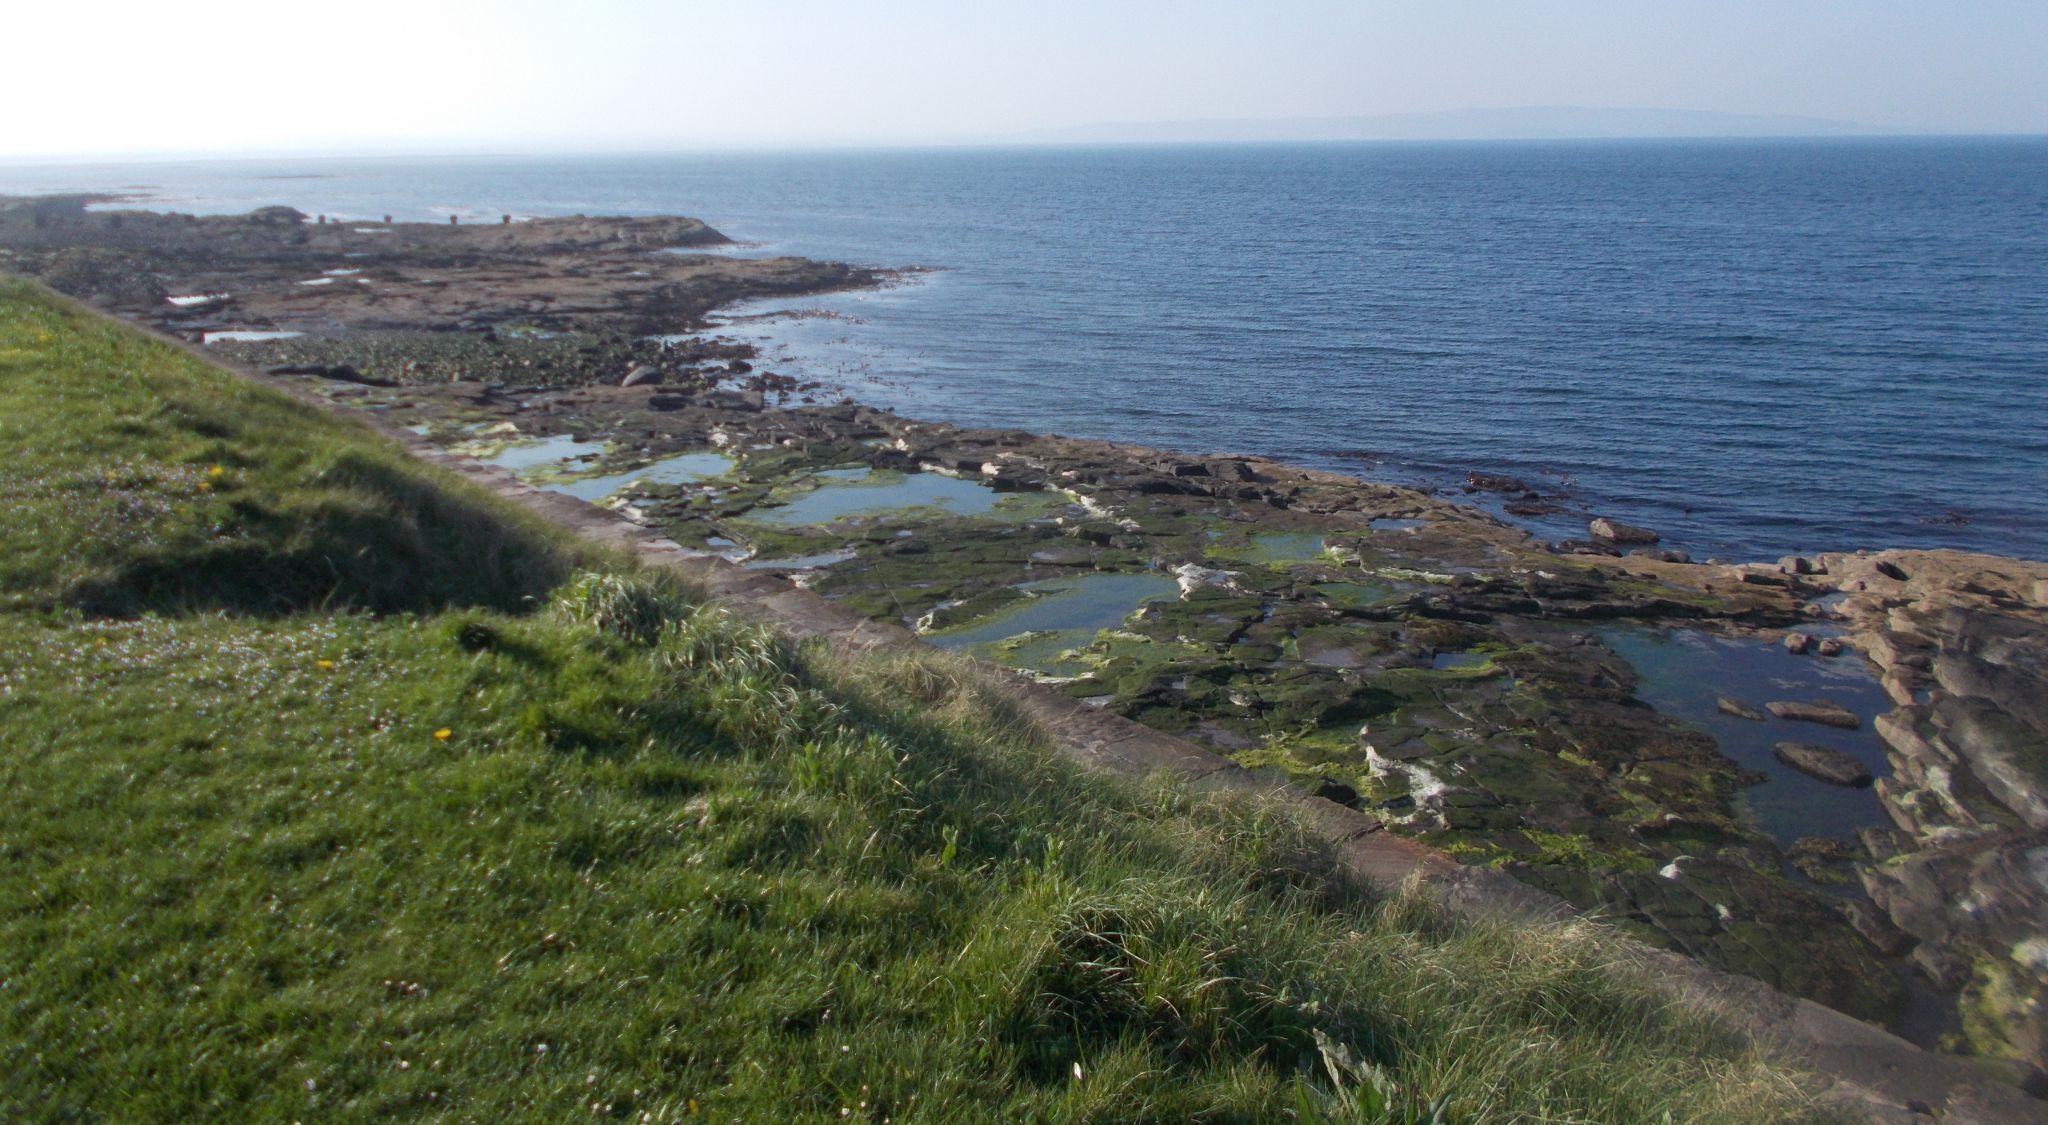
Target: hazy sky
(120, 76)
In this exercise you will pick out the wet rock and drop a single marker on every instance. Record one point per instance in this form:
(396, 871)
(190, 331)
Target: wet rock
(1978, 905)
(1831, 766)
(1614, 531)
(643, 375)
(1799, 564)
(1822, 711)
(1797, 643)
(1829, 646)
(1494, 482)
(1738, 709)
(1822, 859)
(1738, 918)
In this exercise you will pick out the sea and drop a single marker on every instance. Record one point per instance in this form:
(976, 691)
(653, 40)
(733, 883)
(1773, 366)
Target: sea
(1754, 347)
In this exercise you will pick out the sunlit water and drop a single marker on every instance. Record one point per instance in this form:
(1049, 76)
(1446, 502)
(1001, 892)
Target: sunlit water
(1752, 346)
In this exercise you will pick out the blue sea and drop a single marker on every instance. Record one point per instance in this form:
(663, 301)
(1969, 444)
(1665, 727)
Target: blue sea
(1754, 347)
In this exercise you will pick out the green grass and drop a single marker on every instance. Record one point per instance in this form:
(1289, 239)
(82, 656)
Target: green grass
(472, 826)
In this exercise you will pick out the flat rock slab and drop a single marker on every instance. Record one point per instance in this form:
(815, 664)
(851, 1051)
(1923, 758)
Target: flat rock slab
(1831, 766)
(1819, 711)
(1738, 709)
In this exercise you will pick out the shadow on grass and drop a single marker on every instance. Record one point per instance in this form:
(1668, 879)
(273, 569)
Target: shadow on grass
(371, 535)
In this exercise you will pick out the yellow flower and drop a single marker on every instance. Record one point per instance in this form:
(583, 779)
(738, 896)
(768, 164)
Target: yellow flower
(214, 472)
(444, 734)
(206, 486)
(324, 665)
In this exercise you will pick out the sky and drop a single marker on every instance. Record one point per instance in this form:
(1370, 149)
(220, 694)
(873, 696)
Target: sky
(122, 77)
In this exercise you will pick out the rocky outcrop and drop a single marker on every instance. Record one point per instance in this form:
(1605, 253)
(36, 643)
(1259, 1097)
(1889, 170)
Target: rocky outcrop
(1966, 876)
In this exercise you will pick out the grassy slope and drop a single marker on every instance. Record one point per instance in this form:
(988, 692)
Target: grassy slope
(331, 793)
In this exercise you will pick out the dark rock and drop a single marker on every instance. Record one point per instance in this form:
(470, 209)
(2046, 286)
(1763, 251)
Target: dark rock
(1729, 706)
(1892, 571)
(1614, 531)
(644, 375)
(340, 372)
(1798, 564)
(1876, 928)
(1822, 711)
(1493, 482)
(1831, 766)
(1336, 791)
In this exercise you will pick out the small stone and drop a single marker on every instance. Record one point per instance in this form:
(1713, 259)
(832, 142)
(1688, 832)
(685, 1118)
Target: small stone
(1829, 646)
(1797, 643)
(1831, 766)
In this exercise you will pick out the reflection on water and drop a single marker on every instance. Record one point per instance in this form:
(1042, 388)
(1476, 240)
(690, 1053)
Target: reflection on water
(853, 493)
(232, 335)
(680, 469)
(1281, 547)
(1683, 672)
(546, 461)
(1064, 613)
(525, 455)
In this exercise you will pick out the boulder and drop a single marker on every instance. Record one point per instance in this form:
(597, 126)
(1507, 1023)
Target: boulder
(1614, 531)
(1797, 643)
(1823, 711)
(1831, 766)
(1829, 646)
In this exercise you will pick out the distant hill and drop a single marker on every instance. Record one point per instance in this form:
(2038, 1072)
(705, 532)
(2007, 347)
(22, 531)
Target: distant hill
(1527, 123)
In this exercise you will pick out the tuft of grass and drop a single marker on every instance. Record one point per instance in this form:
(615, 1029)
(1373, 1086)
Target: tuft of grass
(611, 852)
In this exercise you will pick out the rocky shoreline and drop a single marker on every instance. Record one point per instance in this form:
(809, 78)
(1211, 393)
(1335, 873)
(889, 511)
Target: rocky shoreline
(1412, 657)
